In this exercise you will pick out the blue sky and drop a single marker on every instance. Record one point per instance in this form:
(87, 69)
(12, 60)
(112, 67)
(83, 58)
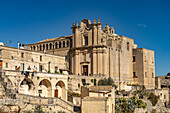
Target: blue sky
(146, 21)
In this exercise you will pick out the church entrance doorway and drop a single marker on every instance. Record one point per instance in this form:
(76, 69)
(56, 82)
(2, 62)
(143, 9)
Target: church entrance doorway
(85, 70)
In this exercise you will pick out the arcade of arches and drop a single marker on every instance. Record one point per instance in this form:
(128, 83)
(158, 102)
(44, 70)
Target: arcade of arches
(44, 88)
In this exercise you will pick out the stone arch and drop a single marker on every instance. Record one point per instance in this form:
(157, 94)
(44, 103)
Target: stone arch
(60, 90)
(46, 46)
(27, 86)
(68, 43)
(51, 46)
(64, 45)
(45, 88)
(56, 45)
(6, 84)
(40, 47)
(59, 44)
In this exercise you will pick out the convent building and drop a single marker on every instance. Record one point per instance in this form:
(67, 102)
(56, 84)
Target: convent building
(95, 51)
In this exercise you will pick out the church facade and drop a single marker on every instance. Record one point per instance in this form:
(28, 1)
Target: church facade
(93, 51)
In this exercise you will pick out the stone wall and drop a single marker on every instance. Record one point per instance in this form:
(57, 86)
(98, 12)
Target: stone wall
(94, 105)
(75, 82)
(144, 67)
(163, 95)
(26, 60)
(41, 84)
(28, 103)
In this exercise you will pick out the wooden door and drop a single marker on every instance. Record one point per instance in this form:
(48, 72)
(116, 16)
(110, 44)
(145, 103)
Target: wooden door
(85, 70)
(56, 93)
(0, 63)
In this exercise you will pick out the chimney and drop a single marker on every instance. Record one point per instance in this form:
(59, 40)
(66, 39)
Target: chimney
(24, 46)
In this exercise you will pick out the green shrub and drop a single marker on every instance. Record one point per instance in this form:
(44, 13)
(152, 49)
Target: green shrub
(91, 80)
(106, 82)
(83, 81)
(123, 105)
(57, 72)
(37, 109)
(153, 98)
(49, 71)
(117, 92)
(94, 82)
(61, 112)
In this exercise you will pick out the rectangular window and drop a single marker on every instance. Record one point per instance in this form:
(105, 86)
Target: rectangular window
(152, 75)
(40, 58)
(40, 91)
(6, 65)
(164, 96)
(128, 46)
(86, 40)
(22, 67)
(146, 74)
(22, 55)
(0, 52)
(56, 68)
(134, 59)
(134, 75)
(40, 68)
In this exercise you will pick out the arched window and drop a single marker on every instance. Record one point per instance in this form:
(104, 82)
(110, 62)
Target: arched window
(128, 46)
(43, 46)
(40, 47)
(67, 43)
(63, 43)
(46, 46)
(56, 45)
(34, 47)
(59, 44)
(31, 47)
(50, 46)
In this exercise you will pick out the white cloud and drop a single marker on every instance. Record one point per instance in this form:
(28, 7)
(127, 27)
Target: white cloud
(142, 25)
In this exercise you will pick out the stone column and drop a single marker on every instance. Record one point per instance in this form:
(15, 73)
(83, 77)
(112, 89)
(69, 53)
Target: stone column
(99, 34)
(72, 63)
(99, 61)
(104, 61)
(94, 61)
(94, 35)
(77, 62)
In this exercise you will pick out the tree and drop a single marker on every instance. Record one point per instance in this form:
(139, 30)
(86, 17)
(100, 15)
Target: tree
(106, 82)
(168, 74)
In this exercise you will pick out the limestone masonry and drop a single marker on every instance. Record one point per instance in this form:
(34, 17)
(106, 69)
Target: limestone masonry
(93, 51)
(62, 73)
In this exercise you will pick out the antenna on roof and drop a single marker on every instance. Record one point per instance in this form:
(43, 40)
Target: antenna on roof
(18, 46)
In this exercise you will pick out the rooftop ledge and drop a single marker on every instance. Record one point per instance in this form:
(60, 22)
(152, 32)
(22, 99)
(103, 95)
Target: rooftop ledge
(40, 74)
